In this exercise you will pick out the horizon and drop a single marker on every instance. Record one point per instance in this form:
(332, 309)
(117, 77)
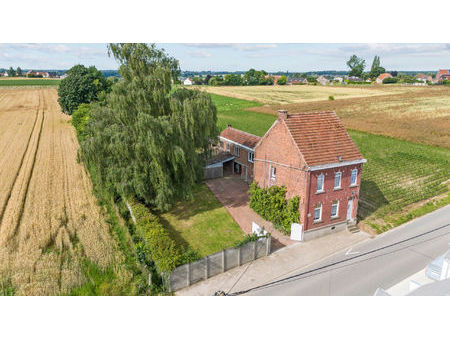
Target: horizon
(215, 57)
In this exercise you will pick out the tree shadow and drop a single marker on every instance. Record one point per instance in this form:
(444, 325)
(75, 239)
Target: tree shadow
(371, 198)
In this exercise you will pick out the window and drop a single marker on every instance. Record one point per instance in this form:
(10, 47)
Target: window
(221, 144)
(251, 156)
(353, 177)
(228, 146)
(318, 213)
(320, 179)
(237, 151)
(334, 209)
(337, 180)
(273, 173)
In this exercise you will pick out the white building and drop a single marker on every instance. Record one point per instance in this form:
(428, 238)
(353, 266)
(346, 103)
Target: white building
(323, 80)
(188, 82)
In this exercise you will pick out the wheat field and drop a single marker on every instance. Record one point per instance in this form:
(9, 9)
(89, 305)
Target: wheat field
(49, 219)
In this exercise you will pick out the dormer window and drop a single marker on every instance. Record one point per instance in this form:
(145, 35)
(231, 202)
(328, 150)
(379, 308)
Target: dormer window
(320, 181)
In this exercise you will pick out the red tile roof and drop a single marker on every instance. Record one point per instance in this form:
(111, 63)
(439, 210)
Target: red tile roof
(321, 138)
(384, 76)
(241, 137)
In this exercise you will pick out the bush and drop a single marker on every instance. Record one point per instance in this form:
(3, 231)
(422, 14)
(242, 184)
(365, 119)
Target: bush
(331, 98)
(271, 204)
(282, 81)
(156, 245)
(79, 119)
(390, 80)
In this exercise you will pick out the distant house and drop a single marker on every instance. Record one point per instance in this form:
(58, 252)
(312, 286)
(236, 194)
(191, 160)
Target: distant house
(442, 74)
(63, 76)
(299, 80)
(188, 82)
(353, 79)
(323, 80)
(381, 77)
(338, 79)
(5, 74)
(424, 78)
(275, 78)
(43, 74)
(53, 75)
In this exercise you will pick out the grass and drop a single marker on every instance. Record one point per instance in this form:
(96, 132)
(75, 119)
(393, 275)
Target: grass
(398, 173)
(202, 223)
(29, 82)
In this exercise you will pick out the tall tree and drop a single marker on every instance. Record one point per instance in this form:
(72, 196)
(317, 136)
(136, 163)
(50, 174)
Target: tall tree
(356, 66)
(11, 72)
(150, 139)
(82, 85)
(19, 71)
(376, 68)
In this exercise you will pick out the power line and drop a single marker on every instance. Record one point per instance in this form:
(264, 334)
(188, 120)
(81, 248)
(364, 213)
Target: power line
(291, 278)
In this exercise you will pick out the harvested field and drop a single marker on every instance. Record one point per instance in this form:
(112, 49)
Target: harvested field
(419, 115)
(300, 94)
(49, 220)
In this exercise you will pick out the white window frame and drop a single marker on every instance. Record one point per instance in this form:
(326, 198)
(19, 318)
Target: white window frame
(273, 173)
(356, 177)
(251, 156)
(323, 183)
(337, 209)
(237, 151)
(320, 214)
(340, 179)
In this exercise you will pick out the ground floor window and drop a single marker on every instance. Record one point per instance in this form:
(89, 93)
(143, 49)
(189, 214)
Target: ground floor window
(318, 213)
(334, 209)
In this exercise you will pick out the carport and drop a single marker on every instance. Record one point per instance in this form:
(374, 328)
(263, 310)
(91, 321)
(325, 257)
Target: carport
(219, 165)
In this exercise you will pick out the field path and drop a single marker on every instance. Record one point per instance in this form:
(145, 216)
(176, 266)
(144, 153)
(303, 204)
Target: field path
(49, 219)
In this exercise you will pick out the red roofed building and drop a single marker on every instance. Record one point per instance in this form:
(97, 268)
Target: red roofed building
(242, 146)
(381, 77)
(315, 158)
(442, 74)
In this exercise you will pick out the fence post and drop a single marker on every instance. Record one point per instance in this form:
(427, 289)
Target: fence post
(268, 244)
(239, 256)
(188, 269)
(206, 267)
(223, 260)
(254, 250)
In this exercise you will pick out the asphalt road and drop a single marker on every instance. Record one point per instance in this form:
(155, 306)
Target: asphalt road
(380, 262)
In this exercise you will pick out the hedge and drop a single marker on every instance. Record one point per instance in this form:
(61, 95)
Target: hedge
(271, 204)
(156, 245)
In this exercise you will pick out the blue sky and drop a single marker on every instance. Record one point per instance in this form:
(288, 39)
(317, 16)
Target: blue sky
(271, 57)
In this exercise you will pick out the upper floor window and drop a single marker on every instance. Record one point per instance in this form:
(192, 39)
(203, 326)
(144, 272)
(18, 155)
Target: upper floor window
(228, 146)
(273, 173)
(337, 180)
(354, 176)
(251, 156)
(237, 151)
(221, 144)
(318, 213)
(334, 209)
(320, 181)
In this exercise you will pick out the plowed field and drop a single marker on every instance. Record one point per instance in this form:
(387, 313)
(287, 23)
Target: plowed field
(49, 220)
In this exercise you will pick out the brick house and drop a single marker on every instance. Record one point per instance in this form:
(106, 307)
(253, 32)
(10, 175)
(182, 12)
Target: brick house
(442, 74)
(381, 77)
(242, 146)
(315, 158)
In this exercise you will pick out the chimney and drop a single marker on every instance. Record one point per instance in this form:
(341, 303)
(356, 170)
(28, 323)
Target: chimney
(282, 114)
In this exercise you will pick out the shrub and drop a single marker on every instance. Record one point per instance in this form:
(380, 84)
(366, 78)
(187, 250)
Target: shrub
(79, 119)
(271, 204)
(155, 243)
(331, 98)
(390, 80)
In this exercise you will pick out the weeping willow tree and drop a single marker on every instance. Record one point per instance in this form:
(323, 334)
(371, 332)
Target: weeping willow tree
(149, 139)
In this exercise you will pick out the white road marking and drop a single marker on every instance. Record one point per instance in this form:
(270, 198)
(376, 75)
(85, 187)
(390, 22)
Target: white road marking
(349, 252)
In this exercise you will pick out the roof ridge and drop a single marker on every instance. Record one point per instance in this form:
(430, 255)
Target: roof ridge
(244, 132)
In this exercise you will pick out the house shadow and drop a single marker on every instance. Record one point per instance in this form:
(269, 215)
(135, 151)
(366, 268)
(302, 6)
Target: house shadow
(371, 198)
(173, 232)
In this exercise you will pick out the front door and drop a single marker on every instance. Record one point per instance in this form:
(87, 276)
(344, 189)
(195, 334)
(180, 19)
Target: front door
(349, 209)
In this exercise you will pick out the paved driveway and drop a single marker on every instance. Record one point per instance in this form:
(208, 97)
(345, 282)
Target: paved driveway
(231, 191)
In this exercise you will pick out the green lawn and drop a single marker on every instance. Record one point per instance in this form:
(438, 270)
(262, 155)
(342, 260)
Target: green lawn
(203, 223)
(29, 82)
(397, 173)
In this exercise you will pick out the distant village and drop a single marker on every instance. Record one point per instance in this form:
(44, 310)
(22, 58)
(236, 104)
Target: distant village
(442, 76)
(32, 74)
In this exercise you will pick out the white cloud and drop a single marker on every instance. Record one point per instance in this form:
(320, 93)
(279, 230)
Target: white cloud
(199, 54)
(246, 47)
